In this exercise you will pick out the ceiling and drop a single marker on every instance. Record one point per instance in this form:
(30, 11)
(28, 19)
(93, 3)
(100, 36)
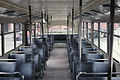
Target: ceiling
(59, 9)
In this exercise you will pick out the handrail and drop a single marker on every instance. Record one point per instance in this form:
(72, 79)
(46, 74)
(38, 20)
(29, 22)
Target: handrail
(16, 60)
(15, 74)
(18, 52)
(98, 59)
(90, 51)
(101, 74)
(25, 47)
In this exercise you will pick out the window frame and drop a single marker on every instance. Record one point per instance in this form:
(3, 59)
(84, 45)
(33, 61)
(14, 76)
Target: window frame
(3, 34)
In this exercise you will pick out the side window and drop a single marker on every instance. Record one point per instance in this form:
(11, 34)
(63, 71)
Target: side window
(95, 34)
(19, 34)
(103, 36)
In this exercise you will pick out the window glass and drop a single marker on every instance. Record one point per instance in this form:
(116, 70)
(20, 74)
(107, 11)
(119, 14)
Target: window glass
(85, 30)
(103, 27)
(60, 29)
(0, 46)
(103, 36)
(19, 38)
(89, 25)
(18, 26)
(33, 26)
(28, 37)
(117, 29)
(95, 26)
(89, 31)
(116, 43)
(8, 28)
(32, 33)
(116, 48)
(38, 31)
(9, 42)
(95, 34)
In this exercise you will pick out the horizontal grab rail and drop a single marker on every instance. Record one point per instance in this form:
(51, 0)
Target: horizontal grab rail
(90, 51)
(101, 74)
(18, 51)
(8, 74)
(16, 60)
(26, 47)
(98, 59)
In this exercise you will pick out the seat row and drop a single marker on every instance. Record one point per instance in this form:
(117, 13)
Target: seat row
(93, 65)
(27, 62)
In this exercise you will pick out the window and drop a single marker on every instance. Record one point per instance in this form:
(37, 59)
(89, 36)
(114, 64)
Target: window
(95, 34)
(33, 30)
(8, 28)
(89, 31)
(116, 43)
(103, 36)
(19, 38)
(38, 30)
(60, 29)
(18, 26)
(19, 34)
(8, 37)
(84, 30)
(28, 37)
(9, 42)
(33, 34)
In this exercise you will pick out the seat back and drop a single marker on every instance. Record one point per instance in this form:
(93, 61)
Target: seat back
(22, 56)
(8, 66)
(10, 78)
(37, 62)
(27, 69)
(17, 56)
(27, 49)
(88, 49)
(86, 57)
(94, 67)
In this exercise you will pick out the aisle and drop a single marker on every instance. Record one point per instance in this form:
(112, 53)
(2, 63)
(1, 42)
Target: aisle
(57, 65)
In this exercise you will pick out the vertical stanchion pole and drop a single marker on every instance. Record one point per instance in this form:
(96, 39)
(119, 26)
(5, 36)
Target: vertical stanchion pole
(48, 36)
(87, 30)
(2, 36)
(47, 24)
(30, 23)
(80, 28)
(14, 25)
(112, 15)
(108, 37)
(99, 34)
(92, 32)
(67, 27)
(34, 31)
(83, 30)
(42, 25)
(72, 27)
